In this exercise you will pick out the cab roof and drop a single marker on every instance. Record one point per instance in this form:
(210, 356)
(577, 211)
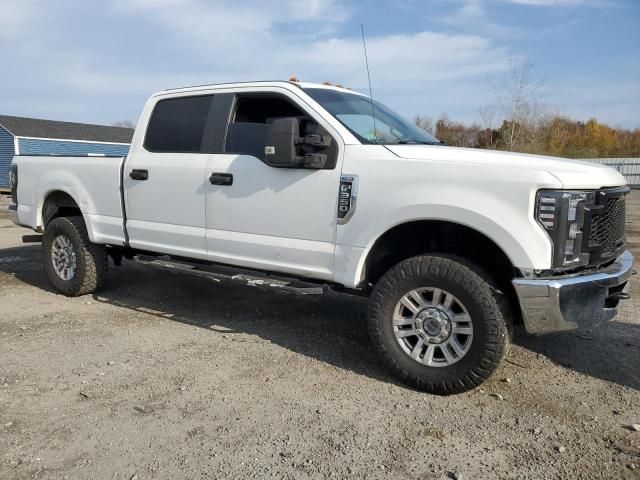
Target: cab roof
(302, 85)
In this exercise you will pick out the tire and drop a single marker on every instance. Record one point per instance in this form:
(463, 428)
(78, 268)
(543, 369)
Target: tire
(91, 262)
(407, 294)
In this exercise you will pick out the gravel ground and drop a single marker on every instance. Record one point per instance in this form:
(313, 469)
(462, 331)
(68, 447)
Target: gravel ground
(164, 376)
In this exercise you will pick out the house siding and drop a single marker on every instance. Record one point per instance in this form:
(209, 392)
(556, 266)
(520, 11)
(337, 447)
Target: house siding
(37, 146)
(6, 154)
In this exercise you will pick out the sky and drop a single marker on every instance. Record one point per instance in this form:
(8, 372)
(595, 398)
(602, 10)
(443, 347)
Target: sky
(97, 61)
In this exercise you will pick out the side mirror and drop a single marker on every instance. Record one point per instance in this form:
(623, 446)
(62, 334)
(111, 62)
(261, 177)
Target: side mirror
(280, 150)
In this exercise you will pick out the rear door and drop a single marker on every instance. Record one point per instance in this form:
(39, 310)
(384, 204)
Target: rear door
(258, 216)
(164, 178)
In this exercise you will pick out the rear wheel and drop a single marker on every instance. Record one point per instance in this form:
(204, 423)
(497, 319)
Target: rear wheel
(439, 324)
(73, 264)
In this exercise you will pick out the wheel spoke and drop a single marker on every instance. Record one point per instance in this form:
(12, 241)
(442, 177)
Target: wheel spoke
(409, 304)
(399, 321)
(405, 333)
(437, 293)
(417, 298)
(448, 300)
(447, 354)
(417, 350)
(462, 318)
(456, 347)
(462, 330)
(428, 356)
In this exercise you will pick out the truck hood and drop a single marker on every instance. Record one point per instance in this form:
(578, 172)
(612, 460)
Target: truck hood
(571, 173)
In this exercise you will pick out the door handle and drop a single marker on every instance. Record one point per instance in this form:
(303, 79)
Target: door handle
(218, 178)
(139, 174)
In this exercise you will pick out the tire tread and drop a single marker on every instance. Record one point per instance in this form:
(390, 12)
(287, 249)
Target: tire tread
(91, 259)
(494, 305)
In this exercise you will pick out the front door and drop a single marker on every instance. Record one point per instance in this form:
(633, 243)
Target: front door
(258, 216)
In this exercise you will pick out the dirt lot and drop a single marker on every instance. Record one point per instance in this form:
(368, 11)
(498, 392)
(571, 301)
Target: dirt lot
(164, 376)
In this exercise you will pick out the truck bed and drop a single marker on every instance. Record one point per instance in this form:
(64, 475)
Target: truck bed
(92, 181)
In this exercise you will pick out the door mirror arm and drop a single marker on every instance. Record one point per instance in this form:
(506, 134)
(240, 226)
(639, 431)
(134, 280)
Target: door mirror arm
(315, 140)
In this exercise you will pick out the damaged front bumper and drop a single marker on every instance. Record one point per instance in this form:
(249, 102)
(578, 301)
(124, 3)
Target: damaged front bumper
(555, 304)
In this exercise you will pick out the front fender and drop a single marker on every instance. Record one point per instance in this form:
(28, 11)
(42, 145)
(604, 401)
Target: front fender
(496, 202)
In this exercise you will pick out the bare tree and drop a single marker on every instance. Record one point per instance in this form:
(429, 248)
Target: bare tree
(425, 123)
(124, 124)
(517, 102)
(456, 133)
(488, 137)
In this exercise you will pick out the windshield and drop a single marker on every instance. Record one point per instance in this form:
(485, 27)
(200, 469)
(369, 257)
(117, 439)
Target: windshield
(370, 123)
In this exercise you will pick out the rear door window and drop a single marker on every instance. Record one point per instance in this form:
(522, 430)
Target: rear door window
(177, 125)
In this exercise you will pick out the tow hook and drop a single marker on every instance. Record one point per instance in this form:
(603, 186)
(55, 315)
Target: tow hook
(616, 296)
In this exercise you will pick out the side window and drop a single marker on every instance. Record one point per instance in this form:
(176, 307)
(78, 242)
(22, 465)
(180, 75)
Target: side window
(251, 119)
(177, 125)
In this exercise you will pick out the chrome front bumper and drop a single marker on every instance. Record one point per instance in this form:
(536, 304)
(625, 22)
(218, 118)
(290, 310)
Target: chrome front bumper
(567, 303)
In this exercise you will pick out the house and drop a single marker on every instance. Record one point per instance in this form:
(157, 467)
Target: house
(32, 136)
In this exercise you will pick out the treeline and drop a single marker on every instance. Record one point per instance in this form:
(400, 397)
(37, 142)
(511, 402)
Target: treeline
(517, 120)
(547, 135)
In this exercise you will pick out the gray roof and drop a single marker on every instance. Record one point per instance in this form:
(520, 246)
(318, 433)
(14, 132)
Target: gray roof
(34, 127)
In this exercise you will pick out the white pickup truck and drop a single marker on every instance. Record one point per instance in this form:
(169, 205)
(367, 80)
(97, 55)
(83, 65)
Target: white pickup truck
(298, 187)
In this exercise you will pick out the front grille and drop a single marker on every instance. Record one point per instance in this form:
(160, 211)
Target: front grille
(606, 235)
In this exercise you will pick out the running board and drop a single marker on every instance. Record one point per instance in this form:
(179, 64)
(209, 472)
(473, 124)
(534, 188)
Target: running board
(224, 274)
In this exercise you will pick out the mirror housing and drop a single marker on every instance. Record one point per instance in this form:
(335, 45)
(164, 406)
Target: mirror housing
(282, 139)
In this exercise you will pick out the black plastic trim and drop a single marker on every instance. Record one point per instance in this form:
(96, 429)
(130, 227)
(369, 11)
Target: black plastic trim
(123, 204)
(601, 197)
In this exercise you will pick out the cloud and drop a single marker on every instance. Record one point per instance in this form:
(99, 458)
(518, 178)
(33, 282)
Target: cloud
(13, 19)
(474, 16)
(556, 3)
(101, 65)
(98, 61)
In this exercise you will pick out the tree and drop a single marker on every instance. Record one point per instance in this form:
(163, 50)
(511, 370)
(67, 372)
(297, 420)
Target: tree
(456, 133)
(518, 121)
(425, 123)
(517, 102)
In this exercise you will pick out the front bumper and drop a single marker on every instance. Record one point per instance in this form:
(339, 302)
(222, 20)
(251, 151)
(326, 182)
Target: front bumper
(567, 303)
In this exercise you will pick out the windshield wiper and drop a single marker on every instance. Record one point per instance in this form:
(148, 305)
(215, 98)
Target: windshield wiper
(418, 142)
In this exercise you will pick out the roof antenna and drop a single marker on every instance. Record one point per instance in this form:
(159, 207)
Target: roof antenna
(366, 60)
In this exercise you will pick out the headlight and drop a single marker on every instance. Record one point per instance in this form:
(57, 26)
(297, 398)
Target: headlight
(561, 214)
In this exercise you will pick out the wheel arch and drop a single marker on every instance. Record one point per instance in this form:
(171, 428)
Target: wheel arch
(57, 203)
(424, 236)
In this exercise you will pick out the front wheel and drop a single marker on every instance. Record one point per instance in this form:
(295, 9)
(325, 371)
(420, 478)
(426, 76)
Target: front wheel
(73, 264)
(439, 324)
